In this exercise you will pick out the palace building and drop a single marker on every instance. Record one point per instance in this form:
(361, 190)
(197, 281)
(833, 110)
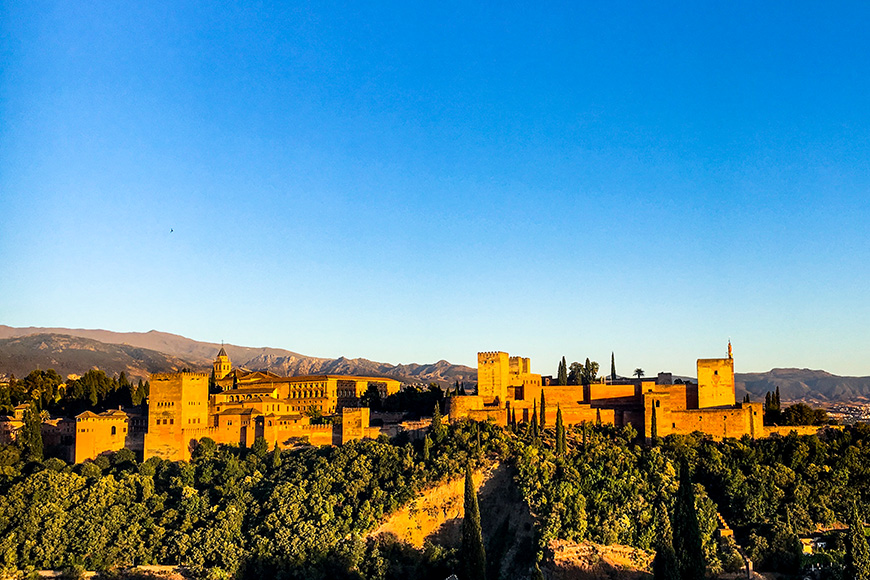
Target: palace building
(251, 404)
(655, 407)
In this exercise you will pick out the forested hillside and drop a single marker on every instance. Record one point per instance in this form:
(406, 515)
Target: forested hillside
(304, 514)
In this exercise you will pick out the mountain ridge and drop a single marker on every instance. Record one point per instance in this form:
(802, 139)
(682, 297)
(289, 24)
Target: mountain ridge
(140, 353)
(181, 352)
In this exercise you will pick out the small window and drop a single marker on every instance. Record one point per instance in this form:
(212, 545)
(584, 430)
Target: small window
(673, 425)
(715, 372)
(658, 403)
(172, 421)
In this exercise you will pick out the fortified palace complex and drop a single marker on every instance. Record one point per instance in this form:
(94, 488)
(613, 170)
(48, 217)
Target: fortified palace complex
(506, 385)
(245, 405)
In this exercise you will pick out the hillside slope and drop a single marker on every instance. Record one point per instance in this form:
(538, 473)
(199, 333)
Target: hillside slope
(76, 355)
(804, 385)
(180, 352)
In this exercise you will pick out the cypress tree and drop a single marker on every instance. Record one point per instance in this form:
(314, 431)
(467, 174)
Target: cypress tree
(536, 573)
(654, 426)
(687, 532)
(139, 393)
(472, 554)
(563, 372)
(543, 411)
(535, 421)
(857, 551)
(598, 417)
(31, 434)
(437, 426)
(665, 562)
(560, 432)
(427, 444)
(777, 401)
(612, 367)
(767, 403)
(514, 418)
(276, 457)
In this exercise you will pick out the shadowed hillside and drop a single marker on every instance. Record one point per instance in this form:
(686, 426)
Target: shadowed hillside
(76, 355)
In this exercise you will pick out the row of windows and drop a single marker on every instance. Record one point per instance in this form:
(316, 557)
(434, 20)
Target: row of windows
(114, 430)
(305, 394)
(165, 421)
(166, 404)
(192, 421)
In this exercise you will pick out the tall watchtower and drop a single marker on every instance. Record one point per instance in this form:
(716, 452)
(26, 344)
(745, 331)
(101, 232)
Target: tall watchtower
(493, 376)
(716, 381)
(177, 406)
(222, 365)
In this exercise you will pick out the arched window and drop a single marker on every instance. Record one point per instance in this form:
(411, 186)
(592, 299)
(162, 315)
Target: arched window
(114, 430)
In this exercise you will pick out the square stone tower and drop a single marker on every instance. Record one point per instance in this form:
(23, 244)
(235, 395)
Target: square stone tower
(715, 382)
(493, 376)
(177, 407)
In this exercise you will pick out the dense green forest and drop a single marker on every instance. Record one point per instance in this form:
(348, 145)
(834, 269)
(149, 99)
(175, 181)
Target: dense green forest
(303, 514)
(94, 390)
(231, 511)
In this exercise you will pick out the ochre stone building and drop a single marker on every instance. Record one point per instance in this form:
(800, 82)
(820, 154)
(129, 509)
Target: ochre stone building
(653, 407)
(247, 405)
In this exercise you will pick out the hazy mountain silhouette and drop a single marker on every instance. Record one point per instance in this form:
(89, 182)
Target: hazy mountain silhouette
(141, 353)
(803, 384)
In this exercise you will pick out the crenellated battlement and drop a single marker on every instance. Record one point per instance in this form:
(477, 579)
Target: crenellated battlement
(170, 376)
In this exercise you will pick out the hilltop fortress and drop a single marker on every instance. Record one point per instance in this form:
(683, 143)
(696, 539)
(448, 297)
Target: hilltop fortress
(240, 406)
(656, 407)
(236, 406)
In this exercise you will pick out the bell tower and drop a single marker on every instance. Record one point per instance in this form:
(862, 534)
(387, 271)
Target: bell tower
(222, 365)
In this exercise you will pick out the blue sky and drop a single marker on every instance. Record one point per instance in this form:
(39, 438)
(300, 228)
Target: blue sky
(408, 183)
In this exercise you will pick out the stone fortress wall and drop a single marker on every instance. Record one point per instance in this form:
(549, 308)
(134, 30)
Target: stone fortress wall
(653, 407)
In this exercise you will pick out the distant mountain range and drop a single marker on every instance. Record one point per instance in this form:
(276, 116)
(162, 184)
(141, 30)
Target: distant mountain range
(804, 385)
(138, 354)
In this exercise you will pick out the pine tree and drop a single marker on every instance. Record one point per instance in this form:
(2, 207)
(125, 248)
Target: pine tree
(427, 445)
(543, 411)
(612, 367)
(472, 555)
(563, 372)
(30, 439)
(665, 565)
(857, 551)
(687, 532)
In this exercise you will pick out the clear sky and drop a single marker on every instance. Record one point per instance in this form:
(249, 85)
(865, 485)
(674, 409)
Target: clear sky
(409, 182)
